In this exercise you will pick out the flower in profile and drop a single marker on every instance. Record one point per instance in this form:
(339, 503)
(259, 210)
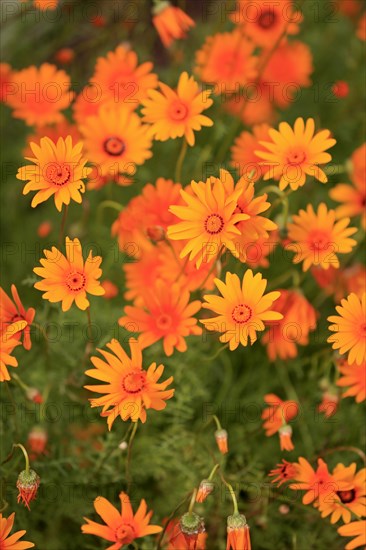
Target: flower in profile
(227, 60)
(352, 197)
(204, 490)
(37, 442)
(69, 278)
(110, 289)
(50, 94)
(243, 157)
(290, 67)
(121, 79)
(176, 540)
(329, 403)
(176, 113)
(319, 484)
(123, 527)
(318, 238)
(277, 415)
(353, 377)
(191, 526)
(209, 220)
(346, 501)
(27, 485)
(12, 311)
(238, 537)
(355, 529)
(242, 308)
(349, 328)
(170, 22)
(12, 542)
(9, 340)
(58, 169)
(283, 473)
(116, 140)
(129, 390)
(295, 153)
(299, 318)
(221, 437)
(166, 314)
(266, 22)
(361, 28)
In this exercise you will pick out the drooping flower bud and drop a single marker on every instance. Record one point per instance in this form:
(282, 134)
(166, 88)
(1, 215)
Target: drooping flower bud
(285, 433)
(205, 488)
(238, 533)
(221, 440)
(191, 525)
(27, 485)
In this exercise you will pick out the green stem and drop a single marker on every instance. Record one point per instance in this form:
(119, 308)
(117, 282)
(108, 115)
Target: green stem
(232, 493)
(129, 454)
(213, 472)
(63, 223)
(192, 502)
(217, 421)
(179, 165)
(27, 468)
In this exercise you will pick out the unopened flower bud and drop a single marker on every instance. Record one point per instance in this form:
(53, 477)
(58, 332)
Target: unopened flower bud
(156, 233)
(206, 487)
(221, 440)
(27, 485)
(34, 395)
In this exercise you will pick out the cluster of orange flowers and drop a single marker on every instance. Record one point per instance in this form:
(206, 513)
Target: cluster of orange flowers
(184, 236)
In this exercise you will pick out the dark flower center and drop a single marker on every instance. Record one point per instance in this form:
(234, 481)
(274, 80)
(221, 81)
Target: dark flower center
(214, 224)
(114, 146)
(58, 174)
(134, 382)
(76, 281)
(241, 313)
(267, 19)
(347, 496)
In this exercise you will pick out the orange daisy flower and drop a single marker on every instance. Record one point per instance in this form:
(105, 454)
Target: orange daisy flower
(358, 166)
(6, 79)
(129, 390)
(319, 484)
(69, 278)
(116, 140)
(355, 529)
(256, 107)
(256, 226)
(227, 59)
(299, 318)
(167, 314)
(352, 377)
(176, 113)
(12, 311)
(288, 69)
(12, 542)
(350, 328)
(170, 22)
(278, 413)
(58, 169)
(9, 340)
(349, 501)
(283, 473)
(265, 22)
(295, 153)
(243, 157)
(318, 238)
(209, 221)
(121, 527)
(121, 79)
(40, 94)
(242, 308)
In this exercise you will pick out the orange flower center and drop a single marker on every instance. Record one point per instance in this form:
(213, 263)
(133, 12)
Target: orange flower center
(134, 381)
(267, 19)
(241, 313)
(114, 146)
(347, 496)
(295, 157)
(214, 224)
(178, 111)
(58, 174)
(318, 240)
(164, 321)
(75, 281)
(125, 533)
